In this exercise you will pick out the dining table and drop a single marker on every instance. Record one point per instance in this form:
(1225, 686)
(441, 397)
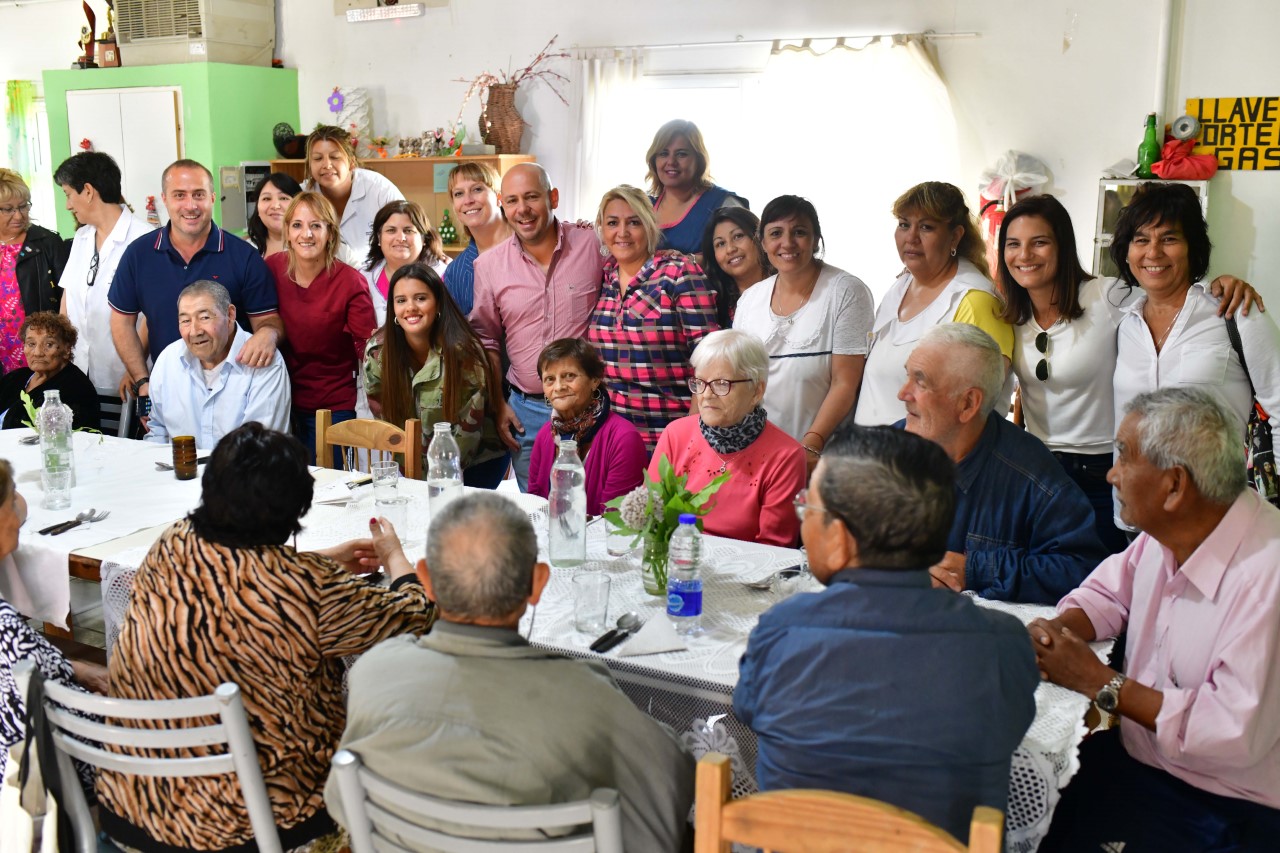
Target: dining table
(688, 687)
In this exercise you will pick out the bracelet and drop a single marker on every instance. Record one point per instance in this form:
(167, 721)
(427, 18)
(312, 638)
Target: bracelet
(811, 450)
(135, 386)
(820, 438)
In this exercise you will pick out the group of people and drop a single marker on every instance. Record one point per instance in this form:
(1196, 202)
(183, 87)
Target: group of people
(678, 325)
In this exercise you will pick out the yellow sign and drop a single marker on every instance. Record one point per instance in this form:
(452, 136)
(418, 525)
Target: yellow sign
(1243, 133)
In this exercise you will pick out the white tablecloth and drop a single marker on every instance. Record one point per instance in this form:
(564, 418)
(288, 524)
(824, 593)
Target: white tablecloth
(112, 474)
(692, 690)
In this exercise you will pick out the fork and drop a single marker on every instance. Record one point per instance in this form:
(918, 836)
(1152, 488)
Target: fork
(165, 466)
(79, 521)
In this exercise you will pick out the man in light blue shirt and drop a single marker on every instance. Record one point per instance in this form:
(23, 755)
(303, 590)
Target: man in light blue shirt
(199, 388)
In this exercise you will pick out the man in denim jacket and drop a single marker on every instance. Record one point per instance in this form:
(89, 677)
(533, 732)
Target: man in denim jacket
(1023, 530)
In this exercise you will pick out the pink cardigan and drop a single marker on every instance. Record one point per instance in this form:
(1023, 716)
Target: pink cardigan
(614, 464)
(756, 503)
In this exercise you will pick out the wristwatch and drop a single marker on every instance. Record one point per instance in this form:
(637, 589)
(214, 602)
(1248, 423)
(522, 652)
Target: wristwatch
(143, 381)
(1108, 698)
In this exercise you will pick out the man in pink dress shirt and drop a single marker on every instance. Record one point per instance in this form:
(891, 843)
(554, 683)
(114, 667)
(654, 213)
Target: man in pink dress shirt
(1196, 763)
(539, 285)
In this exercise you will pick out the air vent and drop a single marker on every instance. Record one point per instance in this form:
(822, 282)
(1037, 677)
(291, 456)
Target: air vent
(149, 19)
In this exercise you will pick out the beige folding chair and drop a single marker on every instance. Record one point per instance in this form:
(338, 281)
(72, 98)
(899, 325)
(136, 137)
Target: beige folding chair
(371, 435)
(76, 737)
(821, 821)
(368, 801)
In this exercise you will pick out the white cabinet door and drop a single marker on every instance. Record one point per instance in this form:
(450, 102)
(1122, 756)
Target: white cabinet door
(139, 128)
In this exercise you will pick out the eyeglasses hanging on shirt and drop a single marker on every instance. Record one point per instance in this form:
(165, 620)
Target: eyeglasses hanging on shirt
(1042, 344)
(93, 270)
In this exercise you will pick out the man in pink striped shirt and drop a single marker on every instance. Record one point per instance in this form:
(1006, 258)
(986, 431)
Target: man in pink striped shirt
(1196, 762)
(539, 285)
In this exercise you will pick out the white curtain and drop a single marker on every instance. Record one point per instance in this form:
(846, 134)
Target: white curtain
(604, 82)
(853, 129)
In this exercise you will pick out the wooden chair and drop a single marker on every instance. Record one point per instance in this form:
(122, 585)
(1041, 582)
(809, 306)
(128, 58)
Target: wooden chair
(370, 435)
(78, 737)
(822, 821)
(373, 807)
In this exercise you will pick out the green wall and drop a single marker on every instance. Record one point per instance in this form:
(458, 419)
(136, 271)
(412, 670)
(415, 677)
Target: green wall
(228, 111)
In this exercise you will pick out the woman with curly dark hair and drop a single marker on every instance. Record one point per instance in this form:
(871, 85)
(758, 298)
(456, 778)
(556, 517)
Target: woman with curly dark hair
(426, 362)
(48, 340)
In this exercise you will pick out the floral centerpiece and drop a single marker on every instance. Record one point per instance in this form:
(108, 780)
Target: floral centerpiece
(652, 512)
(500, 122)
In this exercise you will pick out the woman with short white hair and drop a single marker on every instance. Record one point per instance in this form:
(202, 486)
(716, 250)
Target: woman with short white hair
(732, 434)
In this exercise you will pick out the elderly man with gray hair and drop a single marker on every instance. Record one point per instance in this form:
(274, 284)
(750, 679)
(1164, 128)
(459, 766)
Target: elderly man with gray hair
(881, 686)
(198, 385)
(472, 712)
(1195, 764)
(1023, 531)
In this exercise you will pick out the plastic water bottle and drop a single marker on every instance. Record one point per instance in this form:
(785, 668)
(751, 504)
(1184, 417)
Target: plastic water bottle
(444, 468)
(684, 580)
(567, 538)
(58, 464)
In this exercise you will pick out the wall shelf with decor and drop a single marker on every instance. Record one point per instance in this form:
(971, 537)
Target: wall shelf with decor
(421, 179)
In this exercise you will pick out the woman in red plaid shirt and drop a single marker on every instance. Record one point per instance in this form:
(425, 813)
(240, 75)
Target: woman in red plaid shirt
(653, 309)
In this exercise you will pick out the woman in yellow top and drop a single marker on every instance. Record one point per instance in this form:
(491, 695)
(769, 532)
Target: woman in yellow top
(945, 281)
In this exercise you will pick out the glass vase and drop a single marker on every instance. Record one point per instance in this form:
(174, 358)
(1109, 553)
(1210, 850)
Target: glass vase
(653, 565)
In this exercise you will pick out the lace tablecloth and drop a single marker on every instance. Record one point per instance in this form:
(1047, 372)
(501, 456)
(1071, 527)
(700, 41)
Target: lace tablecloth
(692, 690)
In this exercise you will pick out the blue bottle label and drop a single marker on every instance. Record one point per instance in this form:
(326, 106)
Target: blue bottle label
(684, 599)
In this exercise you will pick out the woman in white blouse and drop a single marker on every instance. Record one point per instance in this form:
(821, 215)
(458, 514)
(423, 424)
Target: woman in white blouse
(1172, 334)
(91, 182)
(945, 281)
(1065, 324)
(356, 194)
(813, 319)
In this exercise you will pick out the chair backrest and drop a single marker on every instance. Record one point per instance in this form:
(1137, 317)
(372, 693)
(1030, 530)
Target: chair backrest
(81, 736)
(370, 435)
(374, 807)
(116, 415)
(821, 821)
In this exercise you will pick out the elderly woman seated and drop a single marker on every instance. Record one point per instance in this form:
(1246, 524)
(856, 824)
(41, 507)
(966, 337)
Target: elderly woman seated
(610, 447)
(222, 597)
(731, 433)
(48, 340)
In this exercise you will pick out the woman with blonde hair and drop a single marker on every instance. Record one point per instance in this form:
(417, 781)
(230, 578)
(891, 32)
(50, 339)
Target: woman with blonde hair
(654, 307)
(357, 194)
(680, 186)
(31, 263)
(473, 191)
(327, 314)
(945, 281)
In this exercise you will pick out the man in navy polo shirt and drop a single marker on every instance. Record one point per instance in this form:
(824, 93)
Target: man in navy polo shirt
(155, 268)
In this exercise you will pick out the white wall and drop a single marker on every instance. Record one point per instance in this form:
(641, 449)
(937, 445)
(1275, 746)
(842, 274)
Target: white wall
(1079, 108)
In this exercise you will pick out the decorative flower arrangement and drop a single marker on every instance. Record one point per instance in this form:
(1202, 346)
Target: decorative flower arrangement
(481, 84)
(653, 511)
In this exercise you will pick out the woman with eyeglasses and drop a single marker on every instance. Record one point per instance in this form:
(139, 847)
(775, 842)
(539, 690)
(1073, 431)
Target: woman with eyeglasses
(90, 181)
(732, 434)
(1064, 350)
(31, 263)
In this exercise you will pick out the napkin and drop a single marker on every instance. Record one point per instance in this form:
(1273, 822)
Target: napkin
(656, 636)
(333, 493)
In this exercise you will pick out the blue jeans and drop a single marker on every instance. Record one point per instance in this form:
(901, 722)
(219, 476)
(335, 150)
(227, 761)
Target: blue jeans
(533, 413)
(486, 475)
(304, 429)
(1089, 471)
(1115, 798)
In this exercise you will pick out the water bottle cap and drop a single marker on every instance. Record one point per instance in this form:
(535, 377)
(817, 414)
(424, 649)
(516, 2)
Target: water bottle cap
(688, 518)
(442, 426)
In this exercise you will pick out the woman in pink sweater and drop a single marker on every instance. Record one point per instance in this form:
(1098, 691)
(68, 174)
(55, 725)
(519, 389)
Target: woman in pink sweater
(731, 433)
(612, 451)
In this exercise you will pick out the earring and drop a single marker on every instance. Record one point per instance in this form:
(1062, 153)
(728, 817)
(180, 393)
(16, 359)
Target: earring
(396, 320)
(953, 251)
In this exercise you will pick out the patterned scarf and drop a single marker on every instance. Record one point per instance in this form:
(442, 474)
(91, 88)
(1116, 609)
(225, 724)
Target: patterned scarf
(583, 427)
(731, 439)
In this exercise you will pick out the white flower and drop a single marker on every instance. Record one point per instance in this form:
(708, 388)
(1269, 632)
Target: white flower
(634, 508)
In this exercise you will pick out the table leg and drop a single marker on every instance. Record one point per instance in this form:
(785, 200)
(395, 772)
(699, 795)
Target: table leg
(52, 630)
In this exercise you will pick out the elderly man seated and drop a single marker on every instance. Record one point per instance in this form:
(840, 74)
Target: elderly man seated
(882, 686)
(1196, 762)
(1023, 530)
(200, 388)
(472, 712)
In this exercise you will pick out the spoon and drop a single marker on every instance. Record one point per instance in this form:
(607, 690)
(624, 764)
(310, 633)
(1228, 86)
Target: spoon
(628, 624)
(78, 520)
(768, 581)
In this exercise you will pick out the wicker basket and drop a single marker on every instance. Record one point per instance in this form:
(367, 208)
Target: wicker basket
(500, 122)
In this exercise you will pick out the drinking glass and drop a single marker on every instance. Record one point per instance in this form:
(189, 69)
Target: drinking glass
(56, 482)
(184, 457)
(386, 477)
(590, 601)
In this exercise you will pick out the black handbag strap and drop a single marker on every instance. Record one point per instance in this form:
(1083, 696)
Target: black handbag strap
(1233, 332)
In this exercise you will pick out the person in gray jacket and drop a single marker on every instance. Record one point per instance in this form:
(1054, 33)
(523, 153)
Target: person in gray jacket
(472, 712)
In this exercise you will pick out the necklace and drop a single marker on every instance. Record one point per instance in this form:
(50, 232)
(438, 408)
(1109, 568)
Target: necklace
(790, 319)
(1169, 328)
